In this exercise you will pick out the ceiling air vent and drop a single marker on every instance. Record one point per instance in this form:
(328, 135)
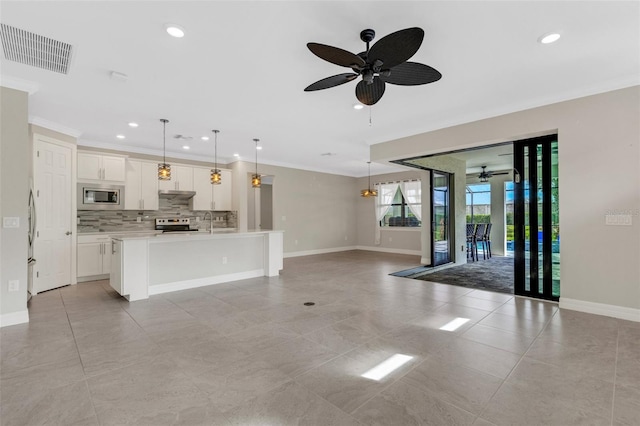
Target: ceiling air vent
(35, 50)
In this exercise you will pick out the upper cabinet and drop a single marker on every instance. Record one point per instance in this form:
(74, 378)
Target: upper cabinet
(141, 186)
(208, 196)
(98, 167)
(181, 179)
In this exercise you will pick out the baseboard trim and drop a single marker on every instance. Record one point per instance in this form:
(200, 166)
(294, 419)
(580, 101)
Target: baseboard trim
(390, 250)
(621, 312)
(202, 282)
(319, 251)
(14, 318)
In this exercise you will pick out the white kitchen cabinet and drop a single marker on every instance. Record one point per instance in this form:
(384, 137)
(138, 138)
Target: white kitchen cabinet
(92, 166)
(203, 200)
(94, 256)
(181, 179)
(222, 192)
(208, 196)
(141, 186)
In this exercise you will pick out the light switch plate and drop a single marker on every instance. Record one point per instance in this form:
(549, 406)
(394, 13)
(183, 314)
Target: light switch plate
(11, 222)
(618, 220)
(14, 285)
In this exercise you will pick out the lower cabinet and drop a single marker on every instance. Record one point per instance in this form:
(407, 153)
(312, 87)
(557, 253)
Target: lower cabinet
(94, 257)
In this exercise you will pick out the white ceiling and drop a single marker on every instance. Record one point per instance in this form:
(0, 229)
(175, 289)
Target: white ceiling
(242, 68)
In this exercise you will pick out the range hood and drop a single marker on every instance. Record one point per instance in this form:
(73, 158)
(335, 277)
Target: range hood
(176, 195)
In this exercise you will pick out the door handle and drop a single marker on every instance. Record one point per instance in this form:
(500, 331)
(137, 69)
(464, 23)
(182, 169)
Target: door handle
(68, 233)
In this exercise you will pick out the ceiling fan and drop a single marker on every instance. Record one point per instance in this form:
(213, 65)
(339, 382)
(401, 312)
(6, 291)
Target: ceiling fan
(384, 62)
(485, 175)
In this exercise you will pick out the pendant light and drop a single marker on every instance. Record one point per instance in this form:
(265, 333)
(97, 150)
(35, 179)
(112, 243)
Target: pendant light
(164, 169)
(216, 177)
(256, 181)
(369, 192)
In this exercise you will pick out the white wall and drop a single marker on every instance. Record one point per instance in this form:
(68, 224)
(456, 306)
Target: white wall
(15, 163)
(317, 211)
(599, 172)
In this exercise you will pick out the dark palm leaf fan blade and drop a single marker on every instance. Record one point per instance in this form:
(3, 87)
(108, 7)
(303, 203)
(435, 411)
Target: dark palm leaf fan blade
(396, 48)
(498, 173)
(369, 94)
(411, 74)
(336, 56)
(334, 80)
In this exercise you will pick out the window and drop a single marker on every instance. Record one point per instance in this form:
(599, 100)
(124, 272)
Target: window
(399, 204)
(479, 203)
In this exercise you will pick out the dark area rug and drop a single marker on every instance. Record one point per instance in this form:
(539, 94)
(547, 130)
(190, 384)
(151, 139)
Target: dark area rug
(495, 274)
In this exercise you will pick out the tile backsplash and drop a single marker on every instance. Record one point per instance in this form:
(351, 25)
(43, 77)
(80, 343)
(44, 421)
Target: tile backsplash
(127, 220)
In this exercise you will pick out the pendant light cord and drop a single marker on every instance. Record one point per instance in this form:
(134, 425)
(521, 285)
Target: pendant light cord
(256, 141)
(215, 149)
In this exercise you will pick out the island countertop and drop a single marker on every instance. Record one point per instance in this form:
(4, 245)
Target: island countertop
(154, 264)
(192, 235)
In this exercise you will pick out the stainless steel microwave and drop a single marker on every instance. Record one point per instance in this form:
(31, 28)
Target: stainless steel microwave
(100, 197)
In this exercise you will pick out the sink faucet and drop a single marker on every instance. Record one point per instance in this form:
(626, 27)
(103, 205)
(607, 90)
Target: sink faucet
(210, 221)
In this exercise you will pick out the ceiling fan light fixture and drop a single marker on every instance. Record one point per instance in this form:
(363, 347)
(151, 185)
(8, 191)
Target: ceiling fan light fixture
(164, 169)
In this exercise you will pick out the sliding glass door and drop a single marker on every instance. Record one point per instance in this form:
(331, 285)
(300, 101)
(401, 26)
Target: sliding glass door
(536, 219)
(440, 217)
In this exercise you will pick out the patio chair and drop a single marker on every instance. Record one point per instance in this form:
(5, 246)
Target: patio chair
(486, 239)
(471, 233)
(479, 238)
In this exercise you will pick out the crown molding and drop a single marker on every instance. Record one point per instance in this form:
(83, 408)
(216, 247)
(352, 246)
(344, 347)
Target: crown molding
(39, 121)
(19, 84)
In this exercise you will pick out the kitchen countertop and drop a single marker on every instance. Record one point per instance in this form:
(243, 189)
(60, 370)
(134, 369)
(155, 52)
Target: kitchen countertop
(186, 235)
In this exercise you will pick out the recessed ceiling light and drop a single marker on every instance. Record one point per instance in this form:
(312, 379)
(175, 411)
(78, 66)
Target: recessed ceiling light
(120, 136)
(236, 155)
(549, 38)
(132, 124)
(174, 30)
(258, 147)
(205, 138)
(186, 147)
(358, 106)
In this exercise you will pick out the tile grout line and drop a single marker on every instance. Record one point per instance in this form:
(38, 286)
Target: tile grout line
(518, 363)
(615, 374)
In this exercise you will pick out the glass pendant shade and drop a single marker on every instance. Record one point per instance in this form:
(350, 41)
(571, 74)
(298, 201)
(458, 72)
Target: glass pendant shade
(164, 169)
(216, 177)
(369, 192)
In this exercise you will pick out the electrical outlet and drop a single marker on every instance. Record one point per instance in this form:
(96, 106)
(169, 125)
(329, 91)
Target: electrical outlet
(346, 238)
(14, 285)
(390, 239)
(138, 219)
(224, 260)
(295, 242)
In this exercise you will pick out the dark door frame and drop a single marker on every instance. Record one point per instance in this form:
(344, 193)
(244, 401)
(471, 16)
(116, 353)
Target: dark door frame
(529, 147)
(447, 224)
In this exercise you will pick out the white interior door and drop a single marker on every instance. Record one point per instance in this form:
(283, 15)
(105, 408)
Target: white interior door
(52, 248)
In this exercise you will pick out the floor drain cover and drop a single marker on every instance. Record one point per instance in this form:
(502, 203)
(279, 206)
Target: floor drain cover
(309, 303)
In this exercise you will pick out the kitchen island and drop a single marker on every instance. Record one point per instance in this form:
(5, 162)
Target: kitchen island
(147, 265)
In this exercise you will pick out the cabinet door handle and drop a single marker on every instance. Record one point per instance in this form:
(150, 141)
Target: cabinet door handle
(143, 204)
(113, 247)
(100, 248)
(99, 173)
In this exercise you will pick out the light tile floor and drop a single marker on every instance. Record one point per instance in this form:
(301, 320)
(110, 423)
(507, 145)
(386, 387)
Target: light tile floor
(250, 353)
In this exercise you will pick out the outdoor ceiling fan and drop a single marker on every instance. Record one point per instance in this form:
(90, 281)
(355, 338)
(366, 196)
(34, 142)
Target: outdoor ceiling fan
(384, 62)
(485, 175)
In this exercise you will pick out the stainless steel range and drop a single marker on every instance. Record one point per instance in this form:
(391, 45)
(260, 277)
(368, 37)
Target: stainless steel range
(174, 224)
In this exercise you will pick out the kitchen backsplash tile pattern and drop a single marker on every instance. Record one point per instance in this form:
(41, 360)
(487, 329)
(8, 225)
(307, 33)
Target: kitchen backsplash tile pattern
(127, 220)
